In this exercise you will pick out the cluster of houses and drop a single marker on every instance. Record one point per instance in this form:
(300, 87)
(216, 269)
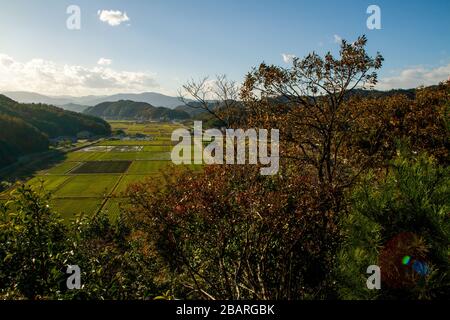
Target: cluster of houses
(83, 135)
(122, 136)
(86, 135)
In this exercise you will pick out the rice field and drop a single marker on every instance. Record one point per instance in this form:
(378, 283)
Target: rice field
(88, 186)
(95, 178)
(126, 181)
(112, 206)
(164, 142)
(62, 168)
(102, 167)
(146, 167)
(68, 208)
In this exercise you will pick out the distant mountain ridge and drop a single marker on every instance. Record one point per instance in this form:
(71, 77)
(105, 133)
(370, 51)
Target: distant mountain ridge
(153, 98)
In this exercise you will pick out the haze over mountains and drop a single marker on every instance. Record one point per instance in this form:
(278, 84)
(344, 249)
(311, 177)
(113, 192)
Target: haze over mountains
(81, 103)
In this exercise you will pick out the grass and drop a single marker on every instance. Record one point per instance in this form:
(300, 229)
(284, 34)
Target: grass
(127, 180)
(112, 207)
(102, 167)
(153, 167)
(133, 127)
(135, 143)
(62, 168)
(88, 186)
(80, 156)
(145, 167)
(126, 148)
(49, 183)
(156, 148)
(68, 208)
(130, 156)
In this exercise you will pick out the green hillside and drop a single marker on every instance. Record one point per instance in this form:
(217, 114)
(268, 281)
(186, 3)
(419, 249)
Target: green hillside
(131, 110)
(27, 128)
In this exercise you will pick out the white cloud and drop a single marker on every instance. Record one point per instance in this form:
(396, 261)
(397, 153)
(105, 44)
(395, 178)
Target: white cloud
(415, 77)
(337, 38)
(287, 57)
(48, 77)
(104, 62)
(112, 17)
(5, 60)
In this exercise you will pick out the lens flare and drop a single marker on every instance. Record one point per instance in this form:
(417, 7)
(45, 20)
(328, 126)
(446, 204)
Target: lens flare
(420, 267)
(406, 260)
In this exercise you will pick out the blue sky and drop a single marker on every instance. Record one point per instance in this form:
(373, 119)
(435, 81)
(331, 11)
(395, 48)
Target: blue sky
(164, 43)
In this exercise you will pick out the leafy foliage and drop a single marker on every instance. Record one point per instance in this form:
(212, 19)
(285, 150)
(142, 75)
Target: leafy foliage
(32, 246)
(232, 234)
(36, 247)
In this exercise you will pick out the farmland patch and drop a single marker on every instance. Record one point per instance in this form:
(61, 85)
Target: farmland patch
(166, 142)
(48, 183)
(112, 207)
(146, 167)
(62, 168)
(87, 186)
(127, 180)
(68, 208)
(102, 167)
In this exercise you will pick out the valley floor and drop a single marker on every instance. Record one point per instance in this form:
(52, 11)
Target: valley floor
(95, 177)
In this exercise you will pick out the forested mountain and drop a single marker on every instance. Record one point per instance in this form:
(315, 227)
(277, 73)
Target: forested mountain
(27, 128)
(127, 109)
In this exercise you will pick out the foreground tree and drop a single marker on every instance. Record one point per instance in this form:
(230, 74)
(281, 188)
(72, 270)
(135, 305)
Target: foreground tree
(218, 98)
(308, 104)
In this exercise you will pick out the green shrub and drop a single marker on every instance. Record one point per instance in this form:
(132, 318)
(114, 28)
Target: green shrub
(32, 246)
(403, 214)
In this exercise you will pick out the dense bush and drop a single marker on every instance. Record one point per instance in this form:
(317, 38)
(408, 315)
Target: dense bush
(33, 241)
(36, 247)
(230, 233)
